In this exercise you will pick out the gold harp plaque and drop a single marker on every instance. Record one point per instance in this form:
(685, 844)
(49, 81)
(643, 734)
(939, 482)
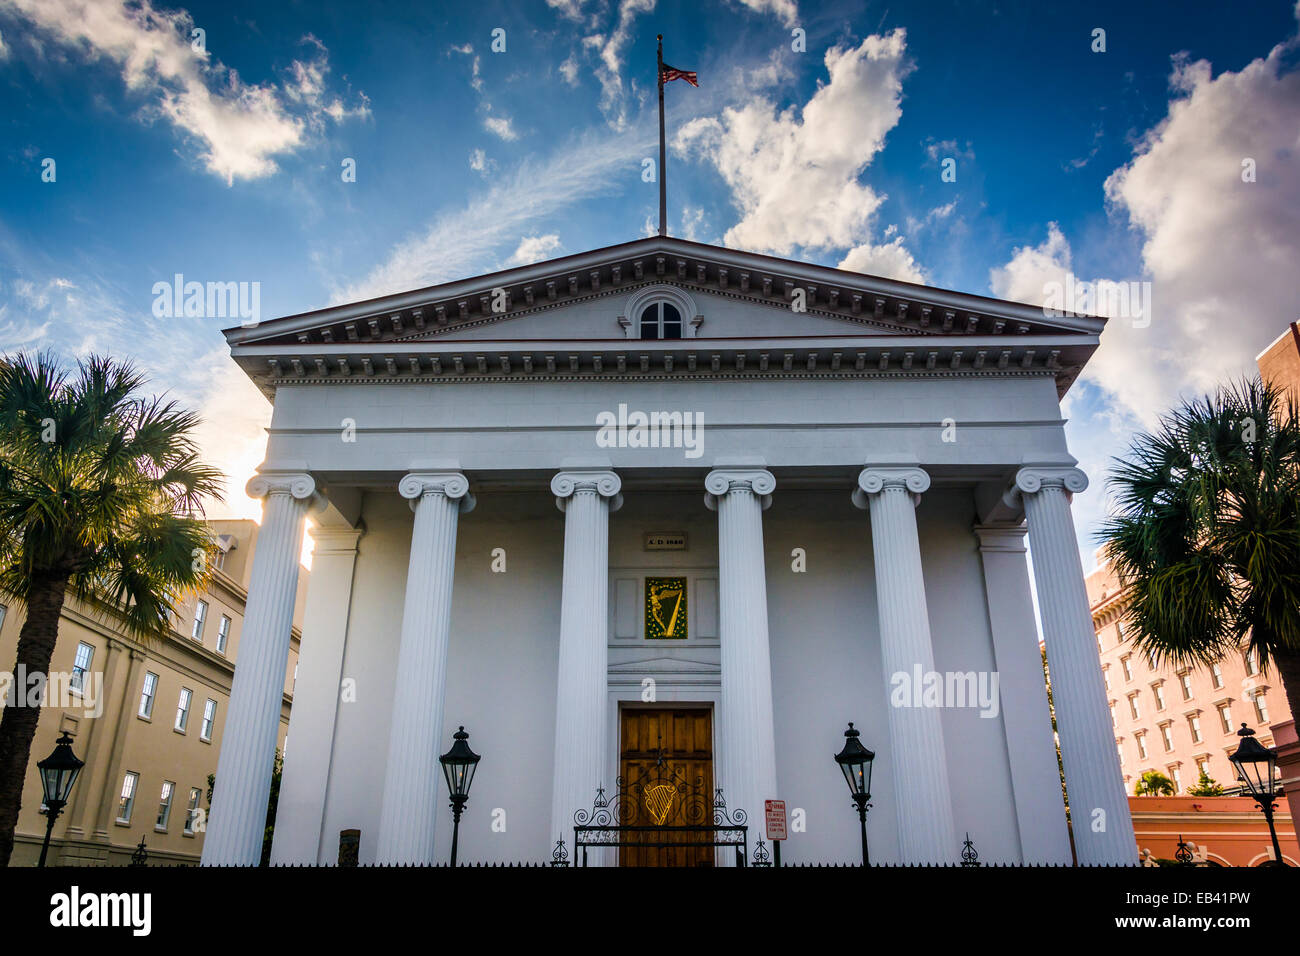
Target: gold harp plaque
(665, 609)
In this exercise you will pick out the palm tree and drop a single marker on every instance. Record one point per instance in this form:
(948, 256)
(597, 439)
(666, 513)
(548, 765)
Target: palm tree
(1206, 536)
(1154, 784)
(99, 488)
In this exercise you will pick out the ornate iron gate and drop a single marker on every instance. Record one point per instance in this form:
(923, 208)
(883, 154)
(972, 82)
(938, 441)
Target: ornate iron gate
(660, 813)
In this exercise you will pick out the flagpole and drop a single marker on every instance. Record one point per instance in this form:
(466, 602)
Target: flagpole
(663, 157)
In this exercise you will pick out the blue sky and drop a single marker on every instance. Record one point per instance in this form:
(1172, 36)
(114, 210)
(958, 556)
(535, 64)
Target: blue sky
(223, 163)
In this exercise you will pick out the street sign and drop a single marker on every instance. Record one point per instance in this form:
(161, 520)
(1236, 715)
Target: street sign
(776, 819)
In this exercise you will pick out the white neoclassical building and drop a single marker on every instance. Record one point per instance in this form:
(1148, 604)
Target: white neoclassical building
(668, 505)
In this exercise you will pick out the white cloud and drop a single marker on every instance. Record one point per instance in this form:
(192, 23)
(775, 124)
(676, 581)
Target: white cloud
(239, 128)
(500, 126)
(4, 50)
(787, 11)
(479, 162)
(890, 261)
(459, 242)
(795, 176)
(1220, 253)
(569, 69)
(609, 52)
(534, 249)
(571, 9)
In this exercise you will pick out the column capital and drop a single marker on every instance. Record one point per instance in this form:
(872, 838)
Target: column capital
(299, 484)
(722, 481)
(417, 485)
(1004, 536)
(875, 479)
(602, 481)
(1034, 478)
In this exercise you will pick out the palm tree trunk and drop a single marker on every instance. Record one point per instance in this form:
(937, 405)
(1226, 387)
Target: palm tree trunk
(18, 724)
(1288, 668)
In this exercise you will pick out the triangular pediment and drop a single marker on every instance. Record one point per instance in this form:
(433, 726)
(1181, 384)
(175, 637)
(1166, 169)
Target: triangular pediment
(738, 294)
(743, 314)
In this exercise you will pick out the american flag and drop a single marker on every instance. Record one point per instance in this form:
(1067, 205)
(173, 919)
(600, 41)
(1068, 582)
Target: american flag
(670, 73)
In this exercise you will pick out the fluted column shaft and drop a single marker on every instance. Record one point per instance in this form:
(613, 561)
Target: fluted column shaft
(918, 761)
(411, 778)
(747, 754)
(581, 704)
(1099, 812)
(238, 820)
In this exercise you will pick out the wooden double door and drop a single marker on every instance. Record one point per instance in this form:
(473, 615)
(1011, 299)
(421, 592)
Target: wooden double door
(666, 761)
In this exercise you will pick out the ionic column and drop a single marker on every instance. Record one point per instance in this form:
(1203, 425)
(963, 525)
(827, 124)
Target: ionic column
(238, 820)
(918, 760)
(747, 751)
(1099, 812)
(1026, 719)
(412, 775)
(581, 704)
(301, 808)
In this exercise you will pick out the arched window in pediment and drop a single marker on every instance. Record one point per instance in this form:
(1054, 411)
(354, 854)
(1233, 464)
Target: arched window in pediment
(661, 320)
(658, 312)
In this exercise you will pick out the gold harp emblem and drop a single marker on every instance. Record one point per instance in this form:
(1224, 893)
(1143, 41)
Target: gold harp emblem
(659, 800)
(666, 607)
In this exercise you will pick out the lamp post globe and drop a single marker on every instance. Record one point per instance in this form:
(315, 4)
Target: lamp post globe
(58, 773)
(855, 762)
(1256, 766)
(458, 766)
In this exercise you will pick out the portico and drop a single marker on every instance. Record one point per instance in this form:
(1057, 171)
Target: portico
(730, 575)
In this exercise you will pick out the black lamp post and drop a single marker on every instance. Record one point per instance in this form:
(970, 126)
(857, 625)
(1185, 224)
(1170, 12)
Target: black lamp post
(58, 773)
(1255, 764)
(458, 765)
(855, 762)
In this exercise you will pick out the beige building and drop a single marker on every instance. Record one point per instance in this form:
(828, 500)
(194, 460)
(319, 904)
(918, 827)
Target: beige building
(146, 718)
(1178, 720)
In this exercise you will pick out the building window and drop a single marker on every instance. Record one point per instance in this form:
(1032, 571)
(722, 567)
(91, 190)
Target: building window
(4, 609)
(1194, 725)
(1167, 736)
(1119, 749)
(1119, 631)
(81, 665)
(1142, 746)
(1159, 691)
(661, 320)
(1126, 663)
(1261, 709)
(1105, 674)
(164, 805)
(127, 799)
(1133, 707)
(200, 617)
(192, 811)
(147, 694)
(1202, 766)
(183, 709)
(1099, 647)
(1114, 721)
(1175, 774)
(223, 634)
(1225, 717)
(209, 718)
(1216, 675)
(1185, 681)
(219, 562)
(1251, 660)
